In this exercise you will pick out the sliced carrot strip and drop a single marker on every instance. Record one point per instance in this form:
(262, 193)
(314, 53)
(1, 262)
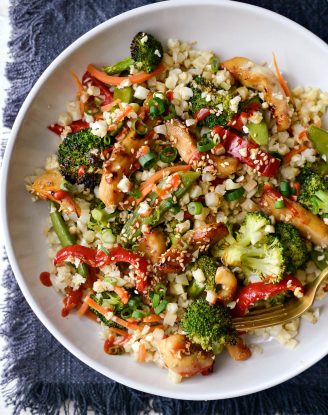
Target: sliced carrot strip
(282, 82)
(78, 83)
(126, 112)
(289, 156)
(119, 331)
(84, 308)
(147, 186)
(122, 293)
(142, 353)
(117, 80)
(91, 303)
(152, 318)
(109, 106)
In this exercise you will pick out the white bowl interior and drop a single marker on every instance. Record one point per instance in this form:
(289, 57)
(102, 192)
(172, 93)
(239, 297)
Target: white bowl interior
(230, 29)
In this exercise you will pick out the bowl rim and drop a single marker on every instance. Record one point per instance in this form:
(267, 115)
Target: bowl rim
(4, 182)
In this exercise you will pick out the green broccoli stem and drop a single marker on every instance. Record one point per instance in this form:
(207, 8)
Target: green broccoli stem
(119, 67)
(64, 235)
(194, 290)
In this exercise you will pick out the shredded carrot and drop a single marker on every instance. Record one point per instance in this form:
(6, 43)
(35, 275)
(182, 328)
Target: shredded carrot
(282, 82)
(126, 112)
(81, 108)
(91, 303)
(122, 293)
(147, 186)
(109, 106)
(126, 324)
(116, 80)
(116, 319)
(173, 183)
(152, 318)
(92, 316)
(80, 88)
(84, 308)
(289, 156)
(118, 331)
(302, 136)
(142, 353)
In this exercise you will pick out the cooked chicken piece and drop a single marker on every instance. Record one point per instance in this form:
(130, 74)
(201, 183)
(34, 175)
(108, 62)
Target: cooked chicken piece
(310, 225)
(121, 162)
(153, 245)
(47, 187)
(262, 79)
(180, 137)
(239, 351)
(176, 258)
(183, 358)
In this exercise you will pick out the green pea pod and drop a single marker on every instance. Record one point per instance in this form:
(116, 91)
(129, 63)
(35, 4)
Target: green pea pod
(124, 94)
(64, 235)
(320, 259)
(319, 138)
(259, 132)
(132, 228)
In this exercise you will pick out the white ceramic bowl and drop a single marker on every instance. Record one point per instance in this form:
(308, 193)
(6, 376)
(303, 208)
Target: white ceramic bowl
(230, 29)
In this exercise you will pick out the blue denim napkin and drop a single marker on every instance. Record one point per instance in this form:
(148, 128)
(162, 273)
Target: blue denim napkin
(46, 375)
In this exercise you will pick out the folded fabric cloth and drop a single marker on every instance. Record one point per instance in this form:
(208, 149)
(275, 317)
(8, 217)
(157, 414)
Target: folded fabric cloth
(46, 375)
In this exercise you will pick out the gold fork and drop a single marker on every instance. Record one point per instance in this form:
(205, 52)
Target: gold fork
(282, 313)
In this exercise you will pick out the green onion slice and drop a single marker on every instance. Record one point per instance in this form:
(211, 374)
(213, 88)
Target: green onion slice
(126, 313)
(279, 204)
(168, 154)
(147, 160)
(284, 188)
(235, 194)
(161, 307)
(195, 208)
(156, 300)
(205, 144)
(139, 126)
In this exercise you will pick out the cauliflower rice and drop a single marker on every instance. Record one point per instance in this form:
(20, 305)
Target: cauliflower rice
(183, 64)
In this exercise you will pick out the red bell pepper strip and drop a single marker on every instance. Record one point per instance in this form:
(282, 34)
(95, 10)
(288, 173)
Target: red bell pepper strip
(75, 127)
(202, 114)
(239, 120)
(104, 91)
(247, 152)
(99, 258)
(251, 293)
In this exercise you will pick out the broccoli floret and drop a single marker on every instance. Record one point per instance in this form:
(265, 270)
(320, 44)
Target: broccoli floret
(77, 162)
(265, 259)
(146, 55)
(208, 266)
(253, 228)
(253, 250)
(314, 191)
(295, 248)
(209, 326)
(220, 101)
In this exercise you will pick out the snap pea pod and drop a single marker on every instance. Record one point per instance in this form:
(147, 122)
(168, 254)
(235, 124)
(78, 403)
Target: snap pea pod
(124, 94)
(320, 259)
(132, 228)
(64, 235)
(319, 138)
(259, 132)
